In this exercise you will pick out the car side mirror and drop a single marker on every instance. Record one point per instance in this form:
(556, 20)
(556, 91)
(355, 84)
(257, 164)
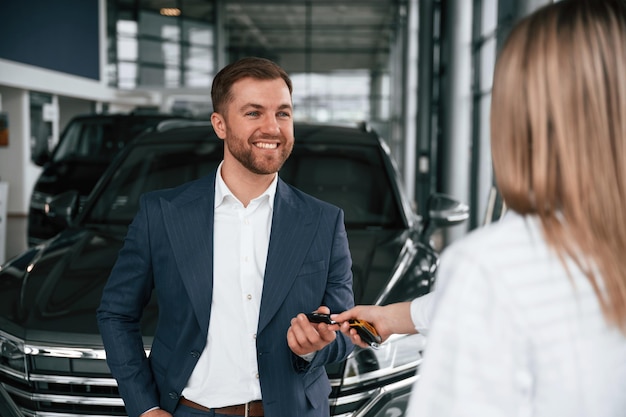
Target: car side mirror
(63, 208)
(442, 211)
(42, 157)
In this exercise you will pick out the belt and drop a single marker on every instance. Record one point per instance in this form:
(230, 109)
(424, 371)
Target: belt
(251, 409)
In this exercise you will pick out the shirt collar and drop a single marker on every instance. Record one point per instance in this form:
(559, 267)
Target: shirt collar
(222, 191)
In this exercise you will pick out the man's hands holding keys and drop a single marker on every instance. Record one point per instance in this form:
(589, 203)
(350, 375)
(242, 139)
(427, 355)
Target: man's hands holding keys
(305, 337)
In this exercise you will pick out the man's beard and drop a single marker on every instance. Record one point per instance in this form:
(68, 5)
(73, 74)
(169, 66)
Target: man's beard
(258, 164)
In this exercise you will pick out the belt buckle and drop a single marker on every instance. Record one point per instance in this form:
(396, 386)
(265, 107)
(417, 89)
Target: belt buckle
(246, 409)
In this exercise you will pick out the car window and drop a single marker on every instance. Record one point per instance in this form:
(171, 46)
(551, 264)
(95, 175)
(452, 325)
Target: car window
(100, 137)
(148, 168)
(89, 138)
(352, 178)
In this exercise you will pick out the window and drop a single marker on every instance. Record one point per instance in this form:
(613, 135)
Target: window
(147, 49)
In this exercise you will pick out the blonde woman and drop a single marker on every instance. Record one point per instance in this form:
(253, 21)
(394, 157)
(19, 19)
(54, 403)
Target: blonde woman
(530, 313)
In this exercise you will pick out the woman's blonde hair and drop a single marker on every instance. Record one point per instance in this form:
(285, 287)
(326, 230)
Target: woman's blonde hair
(558, 125)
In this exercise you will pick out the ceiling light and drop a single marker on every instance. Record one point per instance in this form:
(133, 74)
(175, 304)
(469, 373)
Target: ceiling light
(170, 11)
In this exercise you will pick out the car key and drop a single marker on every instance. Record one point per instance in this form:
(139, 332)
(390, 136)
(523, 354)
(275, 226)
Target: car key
(320, 318)
(367, 332)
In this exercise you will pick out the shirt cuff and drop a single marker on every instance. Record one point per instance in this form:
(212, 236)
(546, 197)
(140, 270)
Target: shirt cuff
(422, 311)
(148, 410)
(308, 357)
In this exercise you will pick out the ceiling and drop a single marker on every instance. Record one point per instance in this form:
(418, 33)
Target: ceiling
(301, 35)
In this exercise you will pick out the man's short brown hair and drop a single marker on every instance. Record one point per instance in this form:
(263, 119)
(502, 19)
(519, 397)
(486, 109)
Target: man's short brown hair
(253, 67)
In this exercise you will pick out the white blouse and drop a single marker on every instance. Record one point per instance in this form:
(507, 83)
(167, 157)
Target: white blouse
(513, 335)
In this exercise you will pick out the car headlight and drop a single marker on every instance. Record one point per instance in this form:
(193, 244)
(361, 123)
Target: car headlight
(400, 353)
(12, 356)
(375, 379)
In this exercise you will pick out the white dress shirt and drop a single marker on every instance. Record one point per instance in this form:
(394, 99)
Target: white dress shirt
(422, 312)
(514, 336)
(227, 370)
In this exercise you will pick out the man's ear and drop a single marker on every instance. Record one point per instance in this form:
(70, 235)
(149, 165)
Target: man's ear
(219, 125)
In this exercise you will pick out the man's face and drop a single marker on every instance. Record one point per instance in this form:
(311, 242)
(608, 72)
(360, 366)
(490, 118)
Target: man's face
(257, 126)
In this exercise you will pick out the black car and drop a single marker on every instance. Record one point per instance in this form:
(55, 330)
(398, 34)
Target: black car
(86, 147)
(52, 362)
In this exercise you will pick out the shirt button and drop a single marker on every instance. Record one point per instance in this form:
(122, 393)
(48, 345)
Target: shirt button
(257, 376)
(249, 297)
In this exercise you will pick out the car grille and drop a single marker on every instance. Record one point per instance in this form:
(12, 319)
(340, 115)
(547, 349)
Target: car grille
(63, 382)
(76, 382)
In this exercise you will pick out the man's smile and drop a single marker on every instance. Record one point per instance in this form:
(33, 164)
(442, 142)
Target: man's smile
(266, 145)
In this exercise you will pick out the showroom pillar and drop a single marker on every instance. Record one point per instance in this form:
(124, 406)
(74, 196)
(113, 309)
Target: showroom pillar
(456, 126)
(410, 104)
(424, 175)
(4, 194)
(16, 167)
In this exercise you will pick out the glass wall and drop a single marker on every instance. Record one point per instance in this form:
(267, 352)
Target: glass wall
(148, 49)
(175, 52)
(342, 96)
(492, 21)
(485, 30)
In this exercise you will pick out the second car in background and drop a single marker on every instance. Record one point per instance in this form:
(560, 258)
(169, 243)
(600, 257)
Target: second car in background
(87, 146)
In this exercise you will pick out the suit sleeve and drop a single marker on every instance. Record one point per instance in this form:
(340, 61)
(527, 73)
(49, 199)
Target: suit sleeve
(339, 295)
(127, 292)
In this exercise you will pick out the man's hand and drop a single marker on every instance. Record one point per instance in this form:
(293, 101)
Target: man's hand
(305, 337)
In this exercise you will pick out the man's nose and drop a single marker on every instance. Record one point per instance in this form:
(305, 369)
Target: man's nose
(270, 126)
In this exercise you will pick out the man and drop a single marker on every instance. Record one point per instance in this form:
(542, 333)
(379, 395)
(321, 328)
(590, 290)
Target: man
(234, 259)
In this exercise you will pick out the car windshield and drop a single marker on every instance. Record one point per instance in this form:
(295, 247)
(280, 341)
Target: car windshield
(351, 177)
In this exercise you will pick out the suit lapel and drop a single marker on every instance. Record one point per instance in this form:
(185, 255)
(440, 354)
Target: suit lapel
(293, 227)
(188, 219)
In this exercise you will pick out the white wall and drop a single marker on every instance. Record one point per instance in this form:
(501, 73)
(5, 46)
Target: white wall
(15, 165)
(15, 74)
(3, 220)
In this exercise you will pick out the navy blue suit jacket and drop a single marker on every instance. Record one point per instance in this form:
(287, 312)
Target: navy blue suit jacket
(169, 249)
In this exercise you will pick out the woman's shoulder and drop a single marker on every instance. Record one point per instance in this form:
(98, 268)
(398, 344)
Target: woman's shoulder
(506, 252)
(513, 230)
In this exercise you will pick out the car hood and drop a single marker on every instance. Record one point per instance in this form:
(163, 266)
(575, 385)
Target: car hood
(79, 174)
(51, 292)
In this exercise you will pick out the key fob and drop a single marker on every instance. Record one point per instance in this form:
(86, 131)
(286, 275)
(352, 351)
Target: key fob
(320, 318)
(367, 332)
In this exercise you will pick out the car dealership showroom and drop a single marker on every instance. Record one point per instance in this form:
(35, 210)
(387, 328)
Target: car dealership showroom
(102, 101)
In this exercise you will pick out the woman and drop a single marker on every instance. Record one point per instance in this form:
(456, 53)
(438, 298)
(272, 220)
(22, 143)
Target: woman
(529, 316)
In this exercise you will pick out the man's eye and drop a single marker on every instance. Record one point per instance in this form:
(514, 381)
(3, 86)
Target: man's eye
(284, 114)
(252, 113)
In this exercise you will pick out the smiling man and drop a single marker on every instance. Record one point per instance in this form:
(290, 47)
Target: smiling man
(234, 259)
